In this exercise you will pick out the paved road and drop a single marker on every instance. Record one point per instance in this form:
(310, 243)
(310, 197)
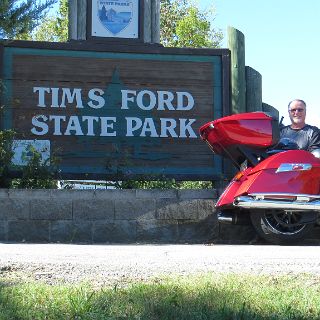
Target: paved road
(110, 264)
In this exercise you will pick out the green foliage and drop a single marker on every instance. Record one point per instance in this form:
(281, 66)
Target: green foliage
(54, 28)
(18, 18)
(183, 24)
(6, 154)
(163, 183)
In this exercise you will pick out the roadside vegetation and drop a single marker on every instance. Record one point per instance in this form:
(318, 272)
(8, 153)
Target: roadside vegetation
(37, 173)
(209, 296)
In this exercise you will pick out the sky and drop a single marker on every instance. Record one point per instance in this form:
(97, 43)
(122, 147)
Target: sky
(282, 43)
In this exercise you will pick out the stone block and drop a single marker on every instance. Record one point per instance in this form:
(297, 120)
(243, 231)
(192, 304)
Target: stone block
(206, 208)
(30, 194)
(4, 193)
(3, 231)
(67, 231)
(188, 209)
(197, 194)
(168, 209)
(143, 209)
(115, 194)
(72, 194)
(50, 209)
(14, 209)
(93, 210)
(157, 231)
(120, 231)
(157, 194)
(28, 231)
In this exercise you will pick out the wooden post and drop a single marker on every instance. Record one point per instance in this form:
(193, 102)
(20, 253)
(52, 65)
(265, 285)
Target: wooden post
(238, 79)
(82, 19)
(155, 26)
(151, 27)
(72, 15)
(253, 90)
(77, 19)
(147, 22)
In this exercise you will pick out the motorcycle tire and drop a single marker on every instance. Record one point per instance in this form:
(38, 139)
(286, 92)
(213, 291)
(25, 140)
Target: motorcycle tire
(279, 226)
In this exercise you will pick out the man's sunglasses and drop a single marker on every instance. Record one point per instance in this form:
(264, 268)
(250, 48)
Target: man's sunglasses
(298, 110)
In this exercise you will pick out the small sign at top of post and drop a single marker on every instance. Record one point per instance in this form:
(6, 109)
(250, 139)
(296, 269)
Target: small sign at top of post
(115, 18)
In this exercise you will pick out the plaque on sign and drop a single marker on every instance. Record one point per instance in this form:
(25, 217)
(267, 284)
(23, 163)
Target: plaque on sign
(116, 18)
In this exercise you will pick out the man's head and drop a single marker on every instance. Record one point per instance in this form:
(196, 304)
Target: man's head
(297, 113)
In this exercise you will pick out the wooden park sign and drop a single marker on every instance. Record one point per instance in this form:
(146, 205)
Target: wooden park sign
(104, 110)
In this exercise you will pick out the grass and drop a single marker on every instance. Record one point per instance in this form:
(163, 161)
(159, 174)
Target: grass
(209, 296)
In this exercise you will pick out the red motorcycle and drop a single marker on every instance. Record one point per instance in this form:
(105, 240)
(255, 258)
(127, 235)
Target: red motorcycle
(277, 189)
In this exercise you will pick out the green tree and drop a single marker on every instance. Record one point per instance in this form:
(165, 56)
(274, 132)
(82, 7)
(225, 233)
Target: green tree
(18, 18)
(55, 27)
(183, 24)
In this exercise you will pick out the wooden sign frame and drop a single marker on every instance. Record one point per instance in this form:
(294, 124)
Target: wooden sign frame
(131, 111)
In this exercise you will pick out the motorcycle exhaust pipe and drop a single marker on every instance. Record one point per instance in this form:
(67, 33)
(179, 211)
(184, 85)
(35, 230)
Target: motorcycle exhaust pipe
(233, 218)
(248, 202)
(226, 218)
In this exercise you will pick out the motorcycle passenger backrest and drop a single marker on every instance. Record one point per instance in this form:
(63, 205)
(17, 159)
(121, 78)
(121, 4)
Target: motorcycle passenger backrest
(244, 136)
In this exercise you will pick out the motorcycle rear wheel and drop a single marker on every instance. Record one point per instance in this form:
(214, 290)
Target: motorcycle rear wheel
(279, 226)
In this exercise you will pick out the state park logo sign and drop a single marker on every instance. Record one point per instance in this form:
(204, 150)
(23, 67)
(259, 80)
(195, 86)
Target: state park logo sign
(117, 18)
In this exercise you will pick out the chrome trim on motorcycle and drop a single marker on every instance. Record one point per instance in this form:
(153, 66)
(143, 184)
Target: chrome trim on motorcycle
(285, 196)
(286, 201)
(285, 167)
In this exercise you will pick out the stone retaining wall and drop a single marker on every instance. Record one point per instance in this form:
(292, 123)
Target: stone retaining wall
(108, 216)
(117, 216)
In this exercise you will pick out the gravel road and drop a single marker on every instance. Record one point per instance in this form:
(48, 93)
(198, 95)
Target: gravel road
(120, 264)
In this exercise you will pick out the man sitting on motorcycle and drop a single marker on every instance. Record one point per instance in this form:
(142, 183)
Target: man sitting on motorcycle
(306, 137)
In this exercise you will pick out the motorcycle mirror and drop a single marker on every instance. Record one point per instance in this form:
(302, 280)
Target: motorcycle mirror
(280, 123)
